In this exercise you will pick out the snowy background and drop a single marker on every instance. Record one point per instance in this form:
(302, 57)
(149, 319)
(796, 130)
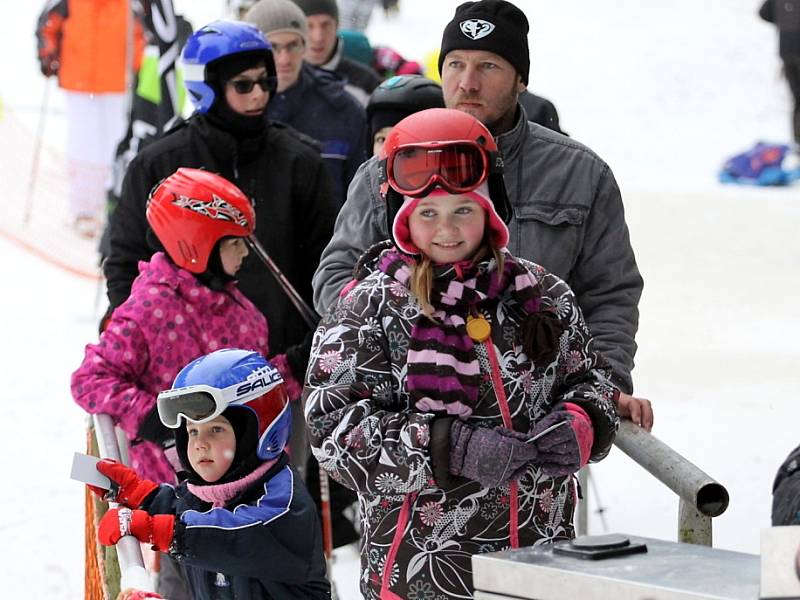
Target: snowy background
(662, 91)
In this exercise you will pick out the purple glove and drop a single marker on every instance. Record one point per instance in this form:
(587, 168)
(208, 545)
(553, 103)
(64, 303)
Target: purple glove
(489, 456)
(559, 453)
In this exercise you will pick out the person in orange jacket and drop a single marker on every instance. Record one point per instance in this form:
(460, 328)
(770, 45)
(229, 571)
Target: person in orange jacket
(85, 44)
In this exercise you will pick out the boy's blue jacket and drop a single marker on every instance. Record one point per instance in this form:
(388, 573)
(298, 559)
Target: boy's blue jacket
(265, 544)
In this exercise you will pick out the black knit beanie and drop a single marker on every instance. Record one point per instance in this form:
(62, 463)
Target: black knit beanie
(492, 25)
(385, 118)
(319, 7)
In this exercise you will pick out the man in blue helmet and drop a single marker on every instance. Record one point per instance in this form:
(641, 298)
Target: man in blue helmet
(241, 524)
(230, 75)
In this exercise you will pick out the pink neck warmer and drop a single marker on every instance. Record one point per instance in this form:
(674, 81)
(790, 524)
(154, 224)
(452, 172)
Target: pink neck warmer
(218, 495)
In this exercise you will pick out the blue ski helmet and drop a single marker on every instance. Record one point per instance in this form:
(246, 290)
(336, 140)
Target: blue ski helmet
(212, 43)
(229, 379)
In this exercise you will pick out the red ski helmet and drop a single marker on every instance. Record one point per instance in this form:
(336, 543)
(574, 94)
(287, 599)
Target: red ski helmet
(441, 148)
(191, 210)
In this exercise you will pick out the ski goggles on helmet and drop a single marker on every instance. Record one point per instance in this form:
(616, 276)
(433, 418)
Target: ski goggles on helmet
(202, 403)
(457, 167)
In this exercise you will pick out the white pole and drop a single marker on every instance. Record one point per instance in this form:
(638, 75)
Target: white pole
(131, 564)
(37, 150)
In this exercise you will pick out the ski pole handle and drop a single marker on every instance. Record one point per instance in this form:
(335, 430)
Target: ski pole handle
(548, 430)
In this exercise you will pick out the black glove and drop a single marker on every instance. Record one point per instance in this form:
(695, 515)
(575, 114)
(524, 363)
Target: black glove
(49, 65)
(297, 357)
(153, 430)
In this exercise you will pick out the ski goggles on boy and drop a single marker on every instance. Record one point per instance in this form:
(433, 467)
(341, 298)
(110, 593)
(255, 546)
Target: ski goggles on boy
(457, 167)
(245, 86)
(203, 403)
(196, 403)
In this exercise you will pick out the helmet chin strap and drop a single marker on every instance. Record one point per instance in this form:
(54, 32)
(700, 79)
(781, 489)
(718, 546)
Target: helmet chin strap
(214, 276)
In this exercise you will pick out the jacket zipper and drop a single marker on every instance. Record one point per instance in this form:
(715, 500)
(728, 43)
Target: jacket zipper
(505, 411)
(402, 521)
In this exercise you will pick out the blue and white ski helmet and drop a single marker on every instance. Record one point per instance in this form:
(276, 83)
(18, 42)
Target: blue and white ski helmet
(212, 43)
(233, 378)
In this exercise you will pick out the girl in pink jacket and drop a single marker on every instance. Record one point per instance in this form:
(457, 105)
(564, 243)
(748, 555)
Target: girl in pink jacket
(183, 304)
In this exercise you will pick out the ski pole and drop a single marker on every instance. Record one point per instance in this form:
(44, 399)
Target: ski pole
(309, 315)
(37, 150)
(325, 506)
(548, 430)
(311, 318)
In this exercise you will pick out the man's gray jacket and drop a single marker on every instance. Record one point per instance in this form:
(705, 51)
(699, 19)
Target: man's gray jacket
(567, 216)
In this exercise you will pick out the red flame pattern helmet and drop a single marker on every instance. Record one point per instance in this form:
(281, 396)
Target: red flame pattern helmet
(191, 210)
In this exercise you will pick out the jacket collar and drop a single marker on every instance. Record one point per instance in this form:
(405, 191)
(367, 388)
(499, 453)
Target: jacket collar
(224, 147)
(510, 143)
(335, 58)
(162, 271)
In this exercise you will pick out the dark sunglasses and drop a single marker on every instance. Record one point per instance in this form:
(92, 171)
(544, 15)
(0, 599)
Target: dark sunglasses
(245, 86)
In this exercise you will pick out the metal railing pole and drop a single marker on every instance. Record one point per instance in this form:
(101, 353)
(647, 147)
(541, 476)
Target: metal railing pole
(131, 564)
(693, 526)
(582, 521)
(701, 496)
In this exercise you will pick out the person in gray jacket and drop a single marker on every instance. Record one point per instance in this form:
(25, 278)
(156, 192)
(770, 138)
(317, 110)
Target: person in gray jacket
(567, 212)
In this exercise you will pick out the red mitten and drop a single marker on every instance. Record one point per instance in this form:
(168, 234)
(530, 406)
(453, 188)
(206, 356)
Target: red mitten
(156, 530)
(132, 489)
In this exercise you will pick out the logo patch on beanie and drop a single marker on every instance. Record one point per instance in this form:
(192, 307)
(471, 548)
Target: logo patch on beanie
(476, 29)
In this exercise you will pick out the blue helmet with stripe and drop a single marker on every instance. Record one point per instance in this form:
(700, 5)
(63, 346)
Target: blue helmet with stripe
(212, 43)
(226, 380)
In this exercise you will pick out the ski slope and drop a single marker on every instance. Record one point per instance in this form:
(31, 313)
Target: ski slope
(663, 93)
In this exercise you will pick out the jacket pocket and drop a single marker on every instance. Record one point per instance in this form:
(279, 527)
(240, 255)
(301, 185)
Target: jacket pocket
(549, 235)
(552, 214)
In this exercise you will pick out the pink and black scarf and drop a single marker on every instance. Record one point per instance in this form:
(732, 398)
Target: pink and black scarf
(443, 369)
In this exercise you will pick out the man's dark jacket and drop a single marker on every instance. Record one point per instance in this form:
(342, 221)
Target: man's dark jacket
(319, 106)
(785, 14)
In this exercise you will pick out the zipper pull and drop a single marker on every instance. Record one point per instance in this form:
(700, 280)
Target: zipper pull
(478, 328)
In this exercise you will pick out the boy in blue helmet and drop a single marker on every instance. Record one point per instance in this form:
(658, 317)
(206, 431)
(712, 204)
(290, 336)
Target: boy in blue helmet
(241, 523)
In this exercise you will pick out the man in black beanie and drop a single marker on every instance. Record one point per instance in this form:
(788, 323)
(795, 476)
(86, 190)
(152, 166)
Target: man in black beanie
(500, 28)
(567, 209)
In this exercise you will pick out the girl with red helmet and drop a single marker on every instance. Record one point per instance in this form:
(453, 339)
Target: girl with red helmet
(454, 386)
(184, 303)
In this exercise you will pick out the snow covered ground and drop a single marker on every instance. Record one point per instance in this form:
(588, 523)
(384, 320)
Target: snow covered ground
(664, 92)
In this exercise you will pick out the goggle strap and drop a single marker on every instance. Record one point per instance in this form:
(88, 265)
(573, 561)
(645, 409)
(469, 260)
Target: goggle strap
(495, 162)
(383, 172)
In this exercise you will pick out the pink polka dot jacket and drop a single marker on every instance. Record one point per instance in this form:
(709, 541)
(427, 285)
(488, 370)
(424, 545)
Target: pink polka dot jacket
(169, 320)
